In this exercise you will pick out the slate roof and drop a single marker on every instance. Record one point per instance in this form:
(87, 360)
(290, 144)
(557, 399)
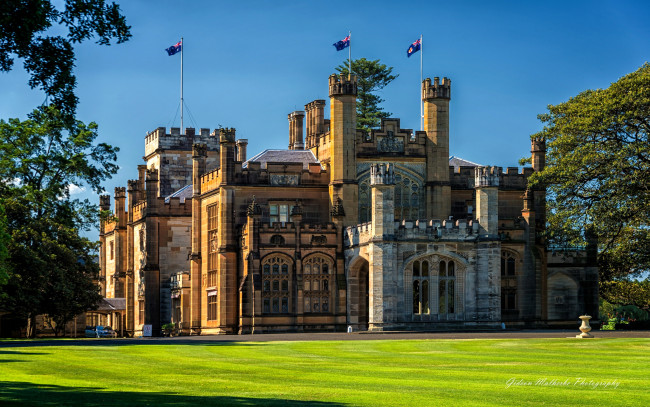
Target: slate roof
(183, 193)
(305, 157)
(459, 162)
(111, 304)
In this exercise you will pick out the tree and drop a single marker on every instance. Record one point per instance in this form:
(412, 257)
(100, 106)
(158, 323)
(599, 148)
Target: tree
(4, 252)
(49, 59)
(51, 268)
(372, 76)
(598, 172)
(623, 292)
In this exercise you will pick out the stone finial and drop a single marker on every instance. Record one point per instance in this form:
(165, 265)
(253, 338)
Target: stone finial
(254, 208)
(343, 85)
(382, 174)
(199, 150)
(227, 135)
(437, 90)
(296, 209)
(337, 208)
(486, 176)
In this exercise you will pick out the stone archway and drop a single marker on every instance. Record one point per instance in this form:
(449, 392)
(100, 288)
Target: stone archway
(358, 294)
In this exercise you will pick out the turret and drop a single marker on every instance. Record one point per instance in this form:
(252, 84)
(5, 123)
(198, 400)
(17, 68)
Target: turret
(227, 154)
(486, 182)
(436, 98)
(538, 152)
(120, 205)
(343, 123)
(382, 182)
(315, 121)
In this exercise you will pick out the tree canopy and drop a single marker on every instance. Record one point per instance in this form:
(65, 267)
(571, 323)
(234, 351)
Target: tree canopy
(51, 267)
(598, 172)
(372, 76)
(25, 28)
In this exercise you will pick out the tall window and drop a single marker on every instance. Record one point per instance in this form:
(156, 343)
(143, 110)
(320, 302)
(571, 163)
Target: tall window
(279, 213)
(176, 309)
(112, 249)
(212, 245)
(421, 293)
(409, 197)
(317, 280)
(276, 281)
(212, 307)
(508, 281)
(446, 287)
(141, 311)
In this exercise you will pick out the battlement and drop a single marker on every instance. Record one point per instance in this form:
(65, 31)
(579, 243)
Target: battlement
(343, 85)
(120, 192)
(431, 230)
(437, 90)
(172, 207)
(161, 139)
(104, 202)
(199, 150)
(538, 145)
(227, 135)
(487, 176)
(391, 139)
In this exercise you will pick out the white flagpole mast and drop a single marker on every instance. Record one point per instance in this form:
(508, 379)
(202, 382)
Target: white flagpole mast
(182, 47)
(421, 102)
(350, 52)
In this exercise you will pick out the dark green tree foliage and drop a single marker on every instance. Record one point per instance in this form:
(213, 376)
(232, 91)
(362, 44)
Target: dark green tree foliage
(51, 267)
(4, 251)
(598, 172)
(624, 292)
(25, 26)
(373, 76)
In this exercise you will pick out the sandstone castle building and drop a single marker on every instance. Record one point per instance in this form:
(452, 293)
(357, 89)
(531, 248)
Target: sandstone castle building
(378, 231)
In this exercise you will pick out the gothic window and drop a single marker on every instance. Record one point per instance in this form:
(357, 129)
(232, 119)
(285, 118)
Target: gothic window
(317, 280)
(446, 287)
(421, 285)
(212, 307)
(212, 245)
(408, 199)
(112, 250)
(141, 237)
(276, 284)
(508, 281)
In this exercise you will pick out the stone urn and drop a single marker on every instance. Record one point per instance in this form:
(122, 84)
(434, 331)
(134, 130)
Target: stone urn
(585, 327)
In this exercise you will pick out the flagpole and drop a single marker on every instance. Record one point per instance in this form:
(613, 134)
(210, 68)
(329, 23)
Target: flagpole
(350, 52)
(182, 48)
(421, 102)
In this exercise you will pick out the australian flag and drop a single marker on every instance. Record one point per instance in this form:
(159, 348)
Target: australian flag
(344, 43)
(174, 48)
(415, 47)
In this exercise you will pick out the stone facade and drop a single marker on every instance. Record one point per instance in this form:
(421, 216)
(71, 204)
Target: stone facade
(345, 228)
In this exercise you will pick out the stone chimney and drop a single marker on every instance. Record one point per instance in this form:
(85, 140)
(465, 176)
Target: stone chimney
(241, 149)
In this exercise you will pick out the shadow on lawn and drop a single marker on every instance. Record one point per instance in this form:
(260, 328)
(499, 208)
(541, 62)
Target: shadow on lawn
(21, 393)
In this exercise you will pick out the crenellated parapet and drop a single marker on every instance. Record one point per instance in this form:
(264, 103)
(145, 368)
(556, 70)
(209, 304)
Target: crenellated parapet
(199, 150)
(486, 176)
(172, 139)
(422, 230)
(343, 84)
(104, 202)
(120, 192)
(436, 90)
(227, 135)
(382, 174)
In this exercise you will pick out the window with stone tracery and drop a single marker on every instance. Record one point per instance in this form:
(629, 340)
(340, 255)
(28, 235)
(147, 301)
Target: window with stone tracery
(408, 199)
(276, 284)
(317, 281)
(421, 287)
(508, 281)
(446, 287)
(212, 245)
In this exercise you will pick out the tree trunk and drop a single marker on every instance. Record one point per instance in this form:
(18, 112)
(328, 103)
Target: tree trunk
(31, 327)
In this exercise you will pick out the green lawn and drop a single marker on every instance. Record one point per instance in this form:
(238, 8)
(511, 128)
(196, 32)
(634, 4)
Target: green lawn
(372, 373)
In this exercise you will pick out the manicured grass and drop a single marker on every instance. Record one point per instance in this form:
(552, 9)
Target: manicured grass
(371, 373)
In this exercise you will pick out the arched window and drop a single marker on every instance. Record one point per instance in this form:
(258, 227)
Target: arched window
(408, 199)
(421, 287)
(446, 287)
(508, 285)
(316, 283)
(276, 292)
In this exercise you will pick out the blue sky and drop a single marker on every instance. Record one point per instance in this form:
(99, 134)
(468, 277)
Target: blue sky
(248, 64)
